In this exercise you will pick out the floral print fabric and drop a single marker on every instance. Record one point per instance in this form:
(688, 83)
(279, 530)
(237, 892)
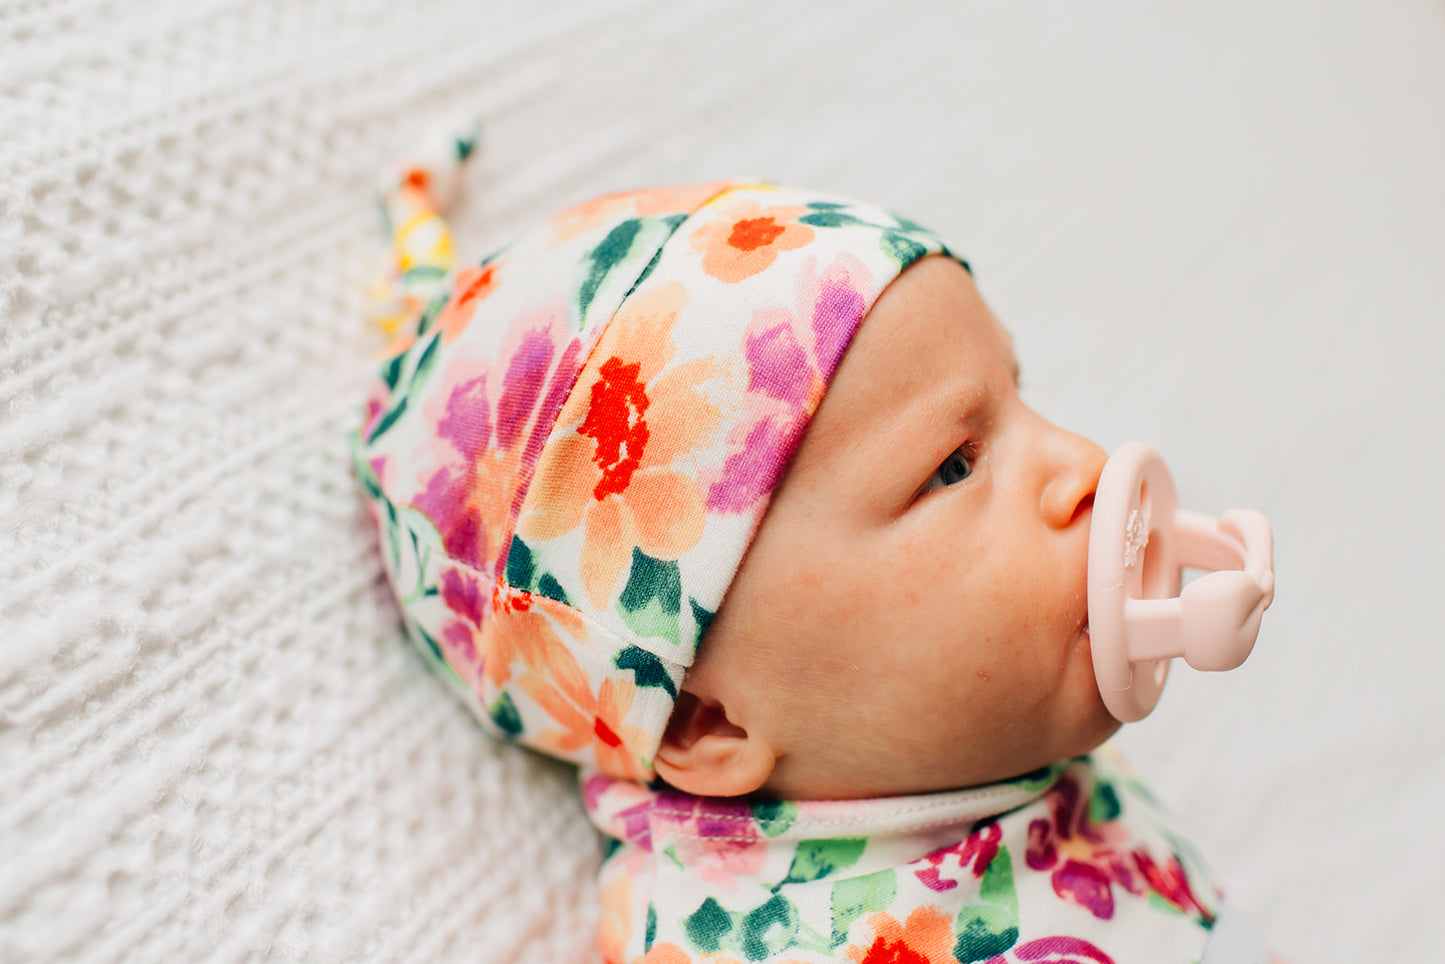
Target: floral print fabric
(1071, 865)
(568, 453)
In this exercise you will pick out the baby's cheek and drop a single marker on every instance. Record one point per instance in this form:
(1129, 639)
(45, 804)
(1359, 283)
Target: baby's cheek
(830, 596)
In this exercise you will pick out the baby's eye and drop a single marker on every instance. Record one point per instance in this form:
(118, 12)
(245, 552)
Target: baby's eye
(957, 467)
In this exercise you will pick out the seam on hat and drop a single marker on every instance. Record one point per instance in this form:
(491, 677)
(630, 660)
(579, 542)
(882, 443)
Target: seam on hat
(593, 624)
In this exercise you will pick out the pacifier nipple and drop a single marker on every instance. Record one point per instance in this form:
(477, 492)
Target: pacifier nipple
(1139, 543)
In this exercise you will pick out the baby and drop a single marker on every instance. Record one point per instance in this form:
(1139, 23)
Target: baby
(727, 494)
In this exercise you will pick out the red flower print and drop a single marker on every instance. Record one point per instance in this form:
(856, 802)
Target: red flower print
(624, 472)
(1171, 883)
(615, 421)
(974, 854)
(746, 238)
(926, 937)
(750, 233)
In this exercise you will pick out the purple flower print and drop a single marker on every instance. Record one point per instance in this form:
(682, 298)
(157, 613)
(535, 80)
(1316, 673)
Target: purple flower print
(493, 446)
(1084, 864)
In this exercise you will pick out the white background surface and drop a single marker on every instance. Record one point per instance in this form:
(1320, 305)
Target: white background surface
(1216, 227)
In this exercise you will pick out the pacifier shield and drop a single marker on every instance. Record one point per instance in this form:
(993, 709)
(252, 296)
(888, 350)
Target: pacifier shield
(1131, 556)
(1139, 543)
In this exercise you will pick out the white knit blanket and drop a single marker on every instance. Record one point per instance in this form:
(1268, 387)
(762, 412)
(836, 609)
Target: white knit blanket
(1218, 227)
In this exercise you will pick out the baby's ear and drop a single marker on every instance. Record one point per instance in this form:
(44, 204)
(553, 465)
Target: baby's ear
(708, 755)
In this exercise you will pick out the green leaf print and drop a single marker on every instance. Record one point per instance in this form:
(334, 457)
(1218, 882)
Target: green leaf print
(617, 260)
(522, 573)
(425, 363)
(774, 817)
(650, 603)
(1104, 803)
(768, 928)
(504, 713)
(833, 218)
(423, 272)
(548, 586)
(391, 371)
(709, 928)
(855, 896)
(388, 420)
(428, 645)
(647, 669)
(1042, 778)
(520, 569)
(671, 223)
(990, 925)
(821, 858)
(910, 225)
(361, 466)
(466, 141)
(901, 248)
(758, 934)
(701, 620)
(613, 250)
(429, 316)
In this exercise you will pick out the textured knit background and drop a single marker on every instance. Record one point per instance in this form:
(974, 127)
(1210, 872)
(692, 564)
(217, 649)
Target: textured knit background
(1217, 227)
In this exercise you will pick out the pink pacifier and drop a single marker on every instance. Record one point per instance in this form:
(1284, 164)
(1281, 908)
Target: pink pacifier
(1139, 543)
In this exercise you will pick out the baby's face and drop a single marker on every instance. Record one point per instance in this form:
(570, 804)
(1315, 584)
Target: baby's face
(912, 614)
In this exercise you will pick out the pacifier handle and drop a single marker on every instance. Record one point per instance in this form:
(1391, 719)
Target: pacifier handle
(1139, 542)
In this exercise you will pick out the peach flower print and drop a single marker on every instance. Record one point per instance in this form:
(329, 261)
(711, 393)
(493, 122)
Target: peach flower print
(488, 428)
(612, 473)
(470, 286)
(587, 719)
(926, 937)
(648, 203)
(615, 928)
(523, 631)
(746, 238)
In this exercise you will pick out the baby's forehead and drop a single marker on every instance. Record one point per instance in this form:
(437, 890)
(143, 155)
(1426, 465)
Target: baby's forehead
(933, 314)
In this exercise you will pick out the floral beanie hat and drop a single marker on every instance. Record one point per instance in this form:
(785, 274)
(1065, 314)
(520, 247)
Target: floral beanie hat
(568, 453)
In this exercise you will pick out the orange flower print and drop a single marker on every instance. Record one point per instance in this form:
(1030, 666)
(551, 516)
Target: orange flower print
(667, 953)
(523, 631)
(642, 204)
(613, 471)
(589, 720)
(614, 930)
(746, 238)
(926, 937)
(471, 285)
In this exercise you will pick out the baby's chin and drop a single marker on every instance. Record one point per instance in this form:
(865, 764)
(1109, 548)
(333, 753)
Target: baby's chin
(1083, 722)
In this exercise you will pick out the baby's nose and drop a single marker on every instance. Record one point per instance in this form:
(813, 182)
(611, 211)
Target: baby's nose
(1075, 466)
